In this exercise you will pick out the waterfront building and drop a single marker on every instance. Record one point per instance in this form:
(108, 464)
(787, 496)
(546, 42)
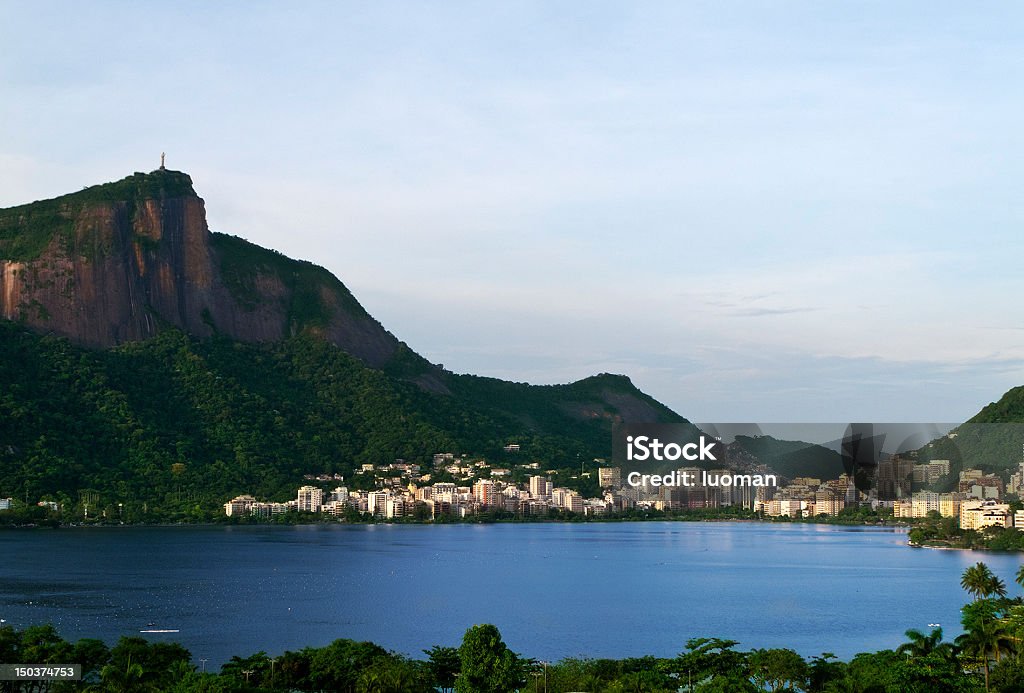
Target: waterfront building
(310, 498)
(1016, 481)
(949, 504)
(609, 477)
(827, 502)
(376, 502)
(539, 487)
(977, 514)
(485, 492)
(334, 507)
(239, 505)
(573, 502)
(394, 507)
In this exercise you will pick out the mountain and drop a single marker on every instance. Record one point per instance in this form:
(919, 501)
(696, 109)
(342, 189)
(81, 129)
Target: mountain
(119, 262)
(1009, 409)
(147, 361)
(990, 440)
(790, 458)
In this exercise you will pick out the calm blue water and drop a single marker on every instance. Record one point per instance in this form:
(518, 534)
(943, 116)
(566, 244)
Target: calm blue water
(554, 590)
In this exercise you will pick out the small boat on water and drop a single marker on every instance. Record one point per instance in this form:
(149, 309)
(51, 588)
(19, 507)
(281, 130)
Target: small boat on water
(151, 628)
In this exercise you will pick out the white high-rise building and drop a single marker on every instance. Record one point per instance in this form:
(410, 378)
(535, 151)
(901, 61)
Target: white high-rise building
(310, 499)
(376, 502)
(539, 487)
(573, 502)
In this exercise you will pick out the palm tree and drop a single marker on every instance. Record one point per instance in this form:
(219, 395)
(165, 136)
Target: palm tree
(981, 582)
(922, 645)
(1014, 622)
(1020, 576)
(132, 679)
(985, 641)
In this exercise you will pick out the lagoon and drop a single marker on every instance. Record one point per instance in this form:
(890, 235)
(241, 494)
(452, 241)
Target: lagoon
(554, 589)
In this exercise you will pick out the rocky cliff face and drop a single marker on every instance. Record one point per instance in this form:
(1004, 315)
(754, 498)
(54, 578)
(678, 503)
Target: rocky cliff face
(119, 262)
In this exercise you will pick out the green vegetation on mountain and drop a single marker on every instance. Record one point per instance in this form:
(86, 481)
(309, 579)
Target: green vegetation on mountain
(991, 440)
(242, 263)
(174, 426)
(197, 366)
(790, 458)
(1009, 409)
(27, 230)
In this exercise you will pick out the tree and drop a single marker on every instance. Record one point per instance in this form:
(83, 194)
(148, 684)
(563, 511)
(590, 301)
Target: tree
(932, 673)
(824, 669)
(156, 657)
(778, 669)
(486, 663)
(258, 666)
(92, 654)
(42, 645)
(393, 674)
(129, 678)
(869, 671)
(980, 582)
(443, 666)
(985, 634)
(339, 665)
(10, 643)
(1007, 676)
(571, 674)
(708, 656)
(921, 645)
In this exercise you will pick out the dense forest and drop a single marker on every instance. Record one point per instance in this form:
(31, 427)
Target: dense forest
(170, 428)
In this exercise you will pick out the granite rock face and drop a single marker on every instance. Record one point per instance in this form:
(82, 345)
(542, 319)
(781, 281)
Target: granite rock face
(119, 262)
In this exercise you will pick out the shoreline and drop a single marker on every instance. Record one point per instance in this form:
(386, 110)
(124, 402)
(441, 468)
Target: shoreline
(503, 521)
(964, 548)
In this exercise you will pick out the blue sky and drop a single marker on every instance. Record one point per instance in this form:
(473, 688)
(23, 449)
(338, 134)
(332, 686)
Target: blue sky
(795, 211)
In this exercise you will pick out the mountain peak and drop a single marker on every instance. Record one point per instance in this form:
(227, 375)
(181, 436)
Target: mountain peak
(157, 184)
(121, 261)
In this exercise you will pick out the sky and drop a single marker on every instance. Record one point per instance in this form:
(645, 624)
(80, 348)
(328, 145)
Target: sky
(758, 211)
